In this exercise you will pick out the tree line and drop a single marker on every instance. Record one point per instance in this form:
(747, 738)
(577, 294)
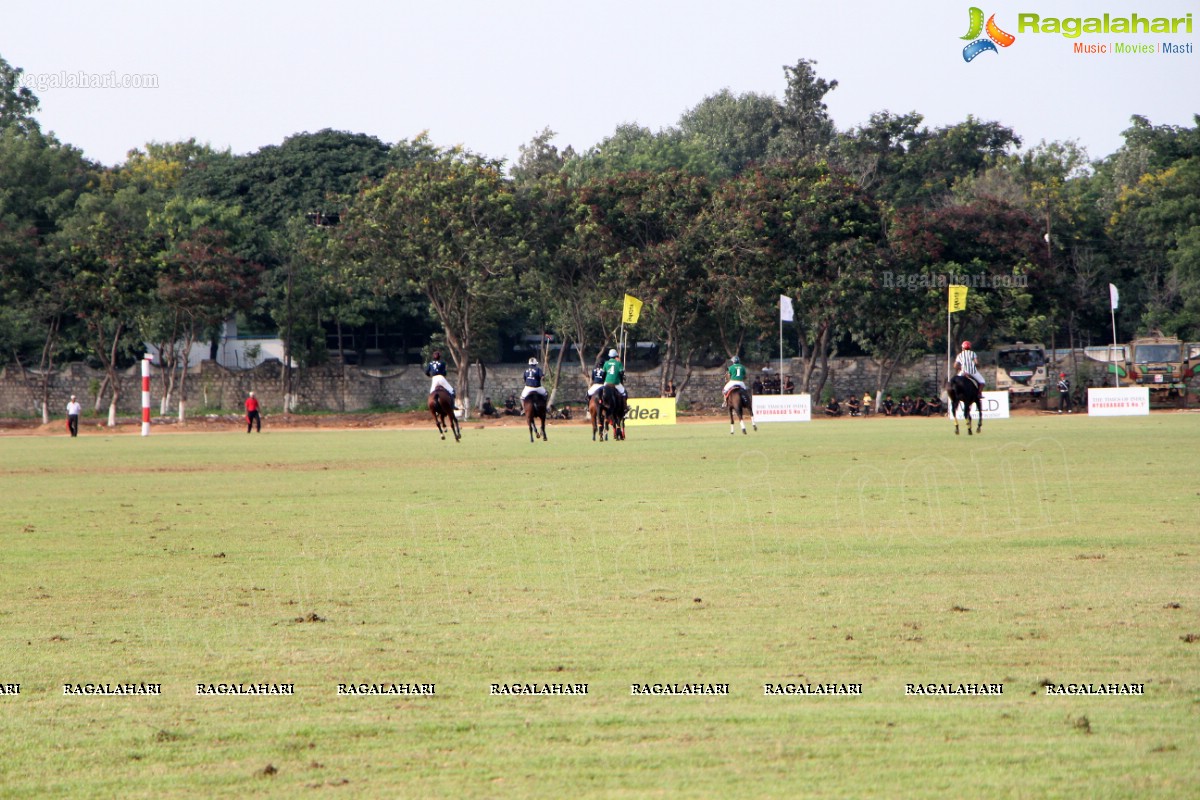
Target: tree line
(332, 234)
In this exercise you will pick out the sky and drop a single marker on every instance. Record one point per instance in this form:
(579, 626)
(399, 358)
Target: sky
(492, 75)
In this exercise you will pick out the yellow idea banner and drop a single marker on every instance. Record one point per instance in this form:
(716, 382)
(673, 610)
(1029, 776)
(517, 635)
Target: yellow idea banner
(650, 411)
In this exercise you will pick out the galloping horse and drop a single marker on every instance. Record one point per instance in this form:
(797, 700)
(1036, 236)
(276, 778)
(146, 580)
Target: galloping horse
(613, 404)
(441, 406)
(736, 401)
(535, 409)
(596, 415)
(965, 390)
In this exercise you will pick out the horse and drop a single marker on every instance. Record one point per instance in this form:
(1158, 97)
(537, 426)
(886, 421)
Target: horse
(736, 401)
(614, 406)
(441, 406)
(596, 415)
(535, 409)
(964, 389)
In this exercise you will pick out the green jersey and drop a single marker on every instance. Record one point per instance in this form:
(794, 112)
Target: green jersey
(614, 372)
(737, 372)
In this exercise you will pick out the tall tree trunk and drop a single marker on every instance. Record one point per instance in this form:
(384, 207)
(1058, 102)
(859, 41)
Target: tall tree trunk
(337, 321)
(47, 364)
(183, 373)
(557, 372)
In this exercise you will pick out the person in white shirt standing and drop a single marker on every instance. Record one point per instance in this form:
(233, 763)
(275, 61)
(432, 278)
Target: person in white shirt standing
(73, 411)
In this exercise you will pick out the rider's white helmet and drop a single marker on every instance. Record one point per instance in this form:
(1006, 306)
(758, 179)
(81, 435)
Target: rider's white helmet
(612, 353)
(736, 360)
(533, 362)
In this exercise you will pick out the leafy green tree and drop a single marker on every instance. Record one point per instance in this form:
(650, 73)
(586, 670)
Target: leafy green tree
(817, 238)
(40, 182)
(1158, 224)
(904, 164)
(561, 283)
(297, 177)
(203, 278)
(111, 251)
(990, 245)
(653, 218)
(17, 103)
(805, 127)
(736, 129)
(540, 159)
(448, 229)
(633, 148)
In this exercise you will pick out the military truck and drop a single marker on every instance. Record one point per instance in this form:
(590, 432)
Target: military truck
(1021, 370)
(1163, 364)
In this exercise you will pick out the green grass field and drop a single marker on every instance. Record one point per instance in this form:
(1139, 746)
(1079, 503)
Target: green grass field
(877, 552)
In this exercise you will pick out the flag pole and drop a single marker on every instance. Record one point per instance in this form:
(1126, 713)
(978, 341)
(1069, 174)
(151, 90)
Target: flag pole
(947, 344)
(1112, 312)
(781, 353)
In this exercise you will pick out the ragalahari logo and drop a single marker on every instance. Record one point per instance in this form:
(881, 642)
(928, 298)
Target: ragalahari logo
(995, 36)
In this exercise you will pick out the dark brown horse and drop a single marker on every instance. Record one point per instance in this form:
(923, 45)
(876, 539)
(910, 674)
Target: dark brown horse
(963, 389)
(737, 401)
(596, 415)
(614, 407)
(535, 409)
(441, 406)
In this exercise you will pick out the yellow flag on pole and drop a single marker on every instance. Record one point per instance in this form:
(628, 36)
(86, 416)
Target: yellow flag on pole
(958, 298)
(633, 309)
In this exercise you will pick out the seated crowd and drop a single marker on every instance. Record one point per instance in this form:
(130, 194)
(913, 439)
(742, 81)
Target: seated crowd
(908, 406)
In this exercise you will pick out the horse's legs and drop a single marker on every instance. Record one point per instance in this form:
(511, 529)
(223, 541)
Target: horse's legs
(954, 414)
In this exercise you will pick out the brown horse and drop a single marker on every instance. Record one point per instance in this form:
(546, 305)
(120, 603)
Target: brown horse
(963, 389)
(535, 409)
(737, 401)
(614, 407)
(441, 406)
(596, 415)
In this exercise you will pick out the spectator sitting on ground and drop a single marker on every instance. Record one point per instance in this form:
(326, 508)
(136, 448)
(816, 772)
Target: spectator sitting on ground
(788, 385)
(906, 406)
(935, 406)
(510, 406)
(833, 409)
(489, 410)
(920, 408)
(757, 386)
(854, 406)
(889, 406)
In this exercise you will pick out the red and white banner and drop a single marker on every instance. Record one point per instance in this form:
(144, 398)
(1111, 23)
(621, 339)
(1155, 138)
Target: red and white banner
(1128, 401)
(781, 408)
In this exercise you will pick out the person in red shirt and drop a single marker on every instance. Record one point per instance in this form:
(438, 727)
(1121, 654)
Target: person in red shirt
(253, 420)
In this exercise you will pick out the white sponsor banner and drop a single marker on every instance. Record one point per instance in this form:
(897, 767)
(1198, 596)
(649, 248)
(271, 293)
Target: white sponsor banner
(994, 404)
(781, 408)
(1129, 401)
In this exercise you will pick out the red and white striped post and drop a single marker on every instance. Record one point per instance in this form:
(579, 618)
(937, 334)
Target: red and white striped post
(146, 394)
